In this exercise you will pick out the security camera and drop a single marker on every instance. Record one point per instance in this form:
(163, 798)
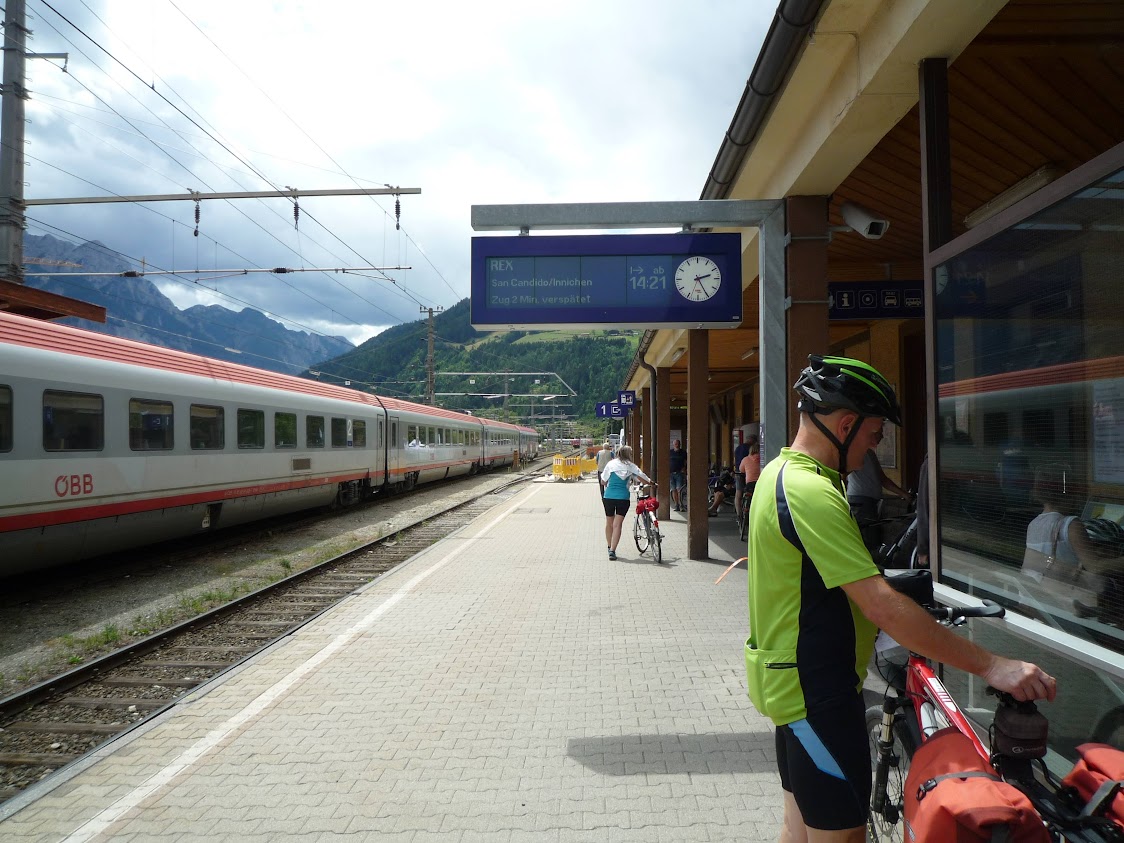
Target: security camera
(864, 221)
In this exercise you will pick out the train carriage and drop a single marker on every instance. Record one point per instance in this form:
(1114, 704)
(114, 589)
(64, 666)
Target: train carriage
(107, 444)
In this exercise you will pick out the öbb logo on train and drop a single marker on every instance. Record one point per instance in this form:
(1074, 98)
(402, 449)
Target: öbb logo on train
(73, 485)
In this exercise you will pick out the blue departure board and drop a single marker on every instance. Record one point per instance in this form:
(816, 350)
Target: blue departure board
(599, 281)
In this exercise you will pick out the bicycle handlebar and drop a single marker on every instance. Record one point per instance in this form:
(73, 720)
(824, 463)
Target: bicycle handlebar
(989, 609)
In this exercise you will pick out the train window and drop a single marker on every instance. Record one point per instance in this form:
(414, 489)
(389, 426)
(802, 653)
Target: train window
(359, 433)
(431, 437)
(285, 430)
(73, 421)
(448, 436)
(1038, 426)
(5, 418)
(995, 428)
(339, 433)
(150, 425)
(251, 428)
(381, 430)
(314, 432)
(412, 440)
(207, 428)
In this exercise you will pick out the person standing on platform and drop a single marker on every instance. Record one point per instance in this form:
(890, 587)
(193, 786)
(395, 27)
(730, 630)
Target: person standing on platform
(816, 601)
(603, 457)
(616, 497)
(749, 469)
(864, 494)
(677, 468)
(739, 478)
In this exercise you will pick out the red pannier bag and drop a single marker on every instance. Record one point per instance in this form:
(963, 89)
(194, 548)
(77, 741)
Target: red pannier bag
(1098, 778)
(952, 795)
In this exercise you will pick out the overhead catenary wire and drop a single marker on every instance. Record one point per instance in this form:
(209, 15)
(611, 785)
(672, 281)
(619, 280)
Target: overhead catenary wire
(381, 276)
(195, 123)
(300, 128)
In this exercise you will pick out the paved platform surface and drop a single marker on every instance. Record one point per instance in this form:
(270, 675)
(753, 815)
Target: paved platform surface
(509, 683)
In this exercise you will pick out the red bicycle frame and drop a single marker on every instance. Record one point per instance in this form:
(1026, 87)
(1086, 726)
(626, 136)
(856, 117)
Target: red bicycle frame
(925, 688)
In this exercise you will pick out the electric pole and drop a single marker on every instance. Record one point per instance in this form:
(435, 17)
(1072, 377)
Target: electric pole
(430, 371)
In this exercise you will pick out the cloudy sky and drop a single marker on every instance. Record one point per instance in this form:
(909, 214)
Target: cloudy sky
(473, 103)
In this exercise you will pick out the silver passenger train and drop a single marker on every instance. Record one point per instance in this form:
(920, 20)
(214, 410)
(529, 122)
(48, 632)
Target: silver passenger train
(107, 444)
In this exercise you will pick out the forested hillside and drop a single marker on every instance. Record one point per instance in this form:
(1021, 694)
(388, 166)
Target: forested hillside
(594, 364)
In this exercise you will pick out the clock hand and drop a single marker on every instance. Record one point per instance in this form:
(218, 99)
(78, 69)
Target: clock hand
(701, 277)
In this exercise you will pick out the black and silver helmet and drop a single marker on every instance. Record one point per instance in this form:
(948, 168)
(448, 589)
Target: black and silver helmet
(833, 383)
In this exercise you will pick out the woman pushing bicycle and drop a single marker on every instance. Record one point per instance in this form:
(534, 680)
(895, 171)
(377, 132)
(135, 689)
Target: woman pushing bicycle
(816, 602)
(615, 478)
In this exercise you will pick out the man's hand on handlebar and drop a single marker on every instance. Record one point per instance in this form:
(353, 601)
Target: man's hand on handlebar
(1022, 680)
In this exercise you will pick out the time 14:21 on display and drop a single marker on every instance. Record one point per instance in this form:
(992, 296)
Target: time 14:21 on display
(596, 281)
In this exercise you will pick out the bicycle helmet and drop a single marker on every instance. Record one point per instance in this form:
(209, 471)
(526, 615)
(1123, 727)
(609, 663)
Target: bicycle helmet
(1106, 533)
(841, 383)
(833, 383)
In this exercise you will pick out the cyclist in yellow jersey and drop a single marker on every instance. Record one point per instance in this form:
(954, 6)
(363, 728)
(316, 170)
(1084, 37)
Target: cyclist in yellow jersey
(816, 601)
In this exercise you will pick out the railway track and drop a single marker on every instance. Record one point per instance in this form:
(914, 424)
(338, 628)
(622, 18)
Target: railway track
(55, 723)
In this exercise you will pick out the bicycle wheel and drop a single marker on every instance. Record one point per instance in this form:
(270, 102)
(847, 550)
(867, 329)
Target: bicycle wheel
(640, 533)
(656, 541)
(743, 523)
(887, 825)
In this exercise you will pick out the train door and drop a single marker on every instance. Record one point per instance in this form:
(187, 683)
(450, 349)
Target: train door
(393, 452)
(380, 444)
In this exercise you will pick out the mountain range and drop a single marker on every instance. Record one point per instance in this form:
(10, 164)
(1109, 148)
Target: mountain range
(137, 310)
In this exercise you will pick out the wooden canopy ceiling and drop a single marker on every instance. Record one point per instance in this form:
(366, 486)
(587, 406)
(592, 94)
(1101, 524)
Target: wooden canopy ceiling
(1042, 85)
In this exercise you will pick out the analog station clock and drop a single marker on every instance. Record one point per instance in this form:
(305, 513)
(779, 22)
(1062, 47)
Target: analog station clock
(698, 278)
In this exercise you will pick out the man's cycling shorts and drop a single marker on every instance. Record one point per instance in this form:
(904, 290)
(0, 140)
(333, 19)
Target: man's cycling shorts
(824, 762)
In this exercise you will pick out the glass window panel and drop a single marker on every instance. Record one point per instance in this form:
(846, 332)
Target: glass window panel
(359, 433)
(314, 432)
(285, 430)
(339, 433)
(1030, 381)
(150, 425)
(73, 421)
(251, 428)
(207, 428)
(412, 440)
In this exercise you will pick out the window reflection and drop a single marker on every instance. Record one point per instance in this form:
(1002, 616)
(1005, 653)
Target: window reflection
(1030, 374)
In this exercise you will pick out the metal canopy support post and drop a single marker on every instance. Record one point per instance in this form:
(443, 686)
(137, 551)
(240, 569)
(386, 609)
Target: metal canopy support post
(773, 345)
(698, 454)
(661, 440)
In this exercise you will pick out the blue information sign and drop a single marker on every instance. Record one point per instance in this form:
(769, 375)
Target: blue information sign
(607, 281)
(627, 397)
(875, 300)
(610, 410)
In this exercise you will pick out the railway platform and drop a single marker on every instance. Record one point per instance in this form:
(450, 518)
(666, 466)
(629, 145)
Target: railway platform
(508, 683)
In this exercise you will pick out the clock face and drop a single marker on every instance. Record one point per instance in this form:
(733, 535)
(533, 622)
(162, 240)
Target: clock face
(698, 278)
